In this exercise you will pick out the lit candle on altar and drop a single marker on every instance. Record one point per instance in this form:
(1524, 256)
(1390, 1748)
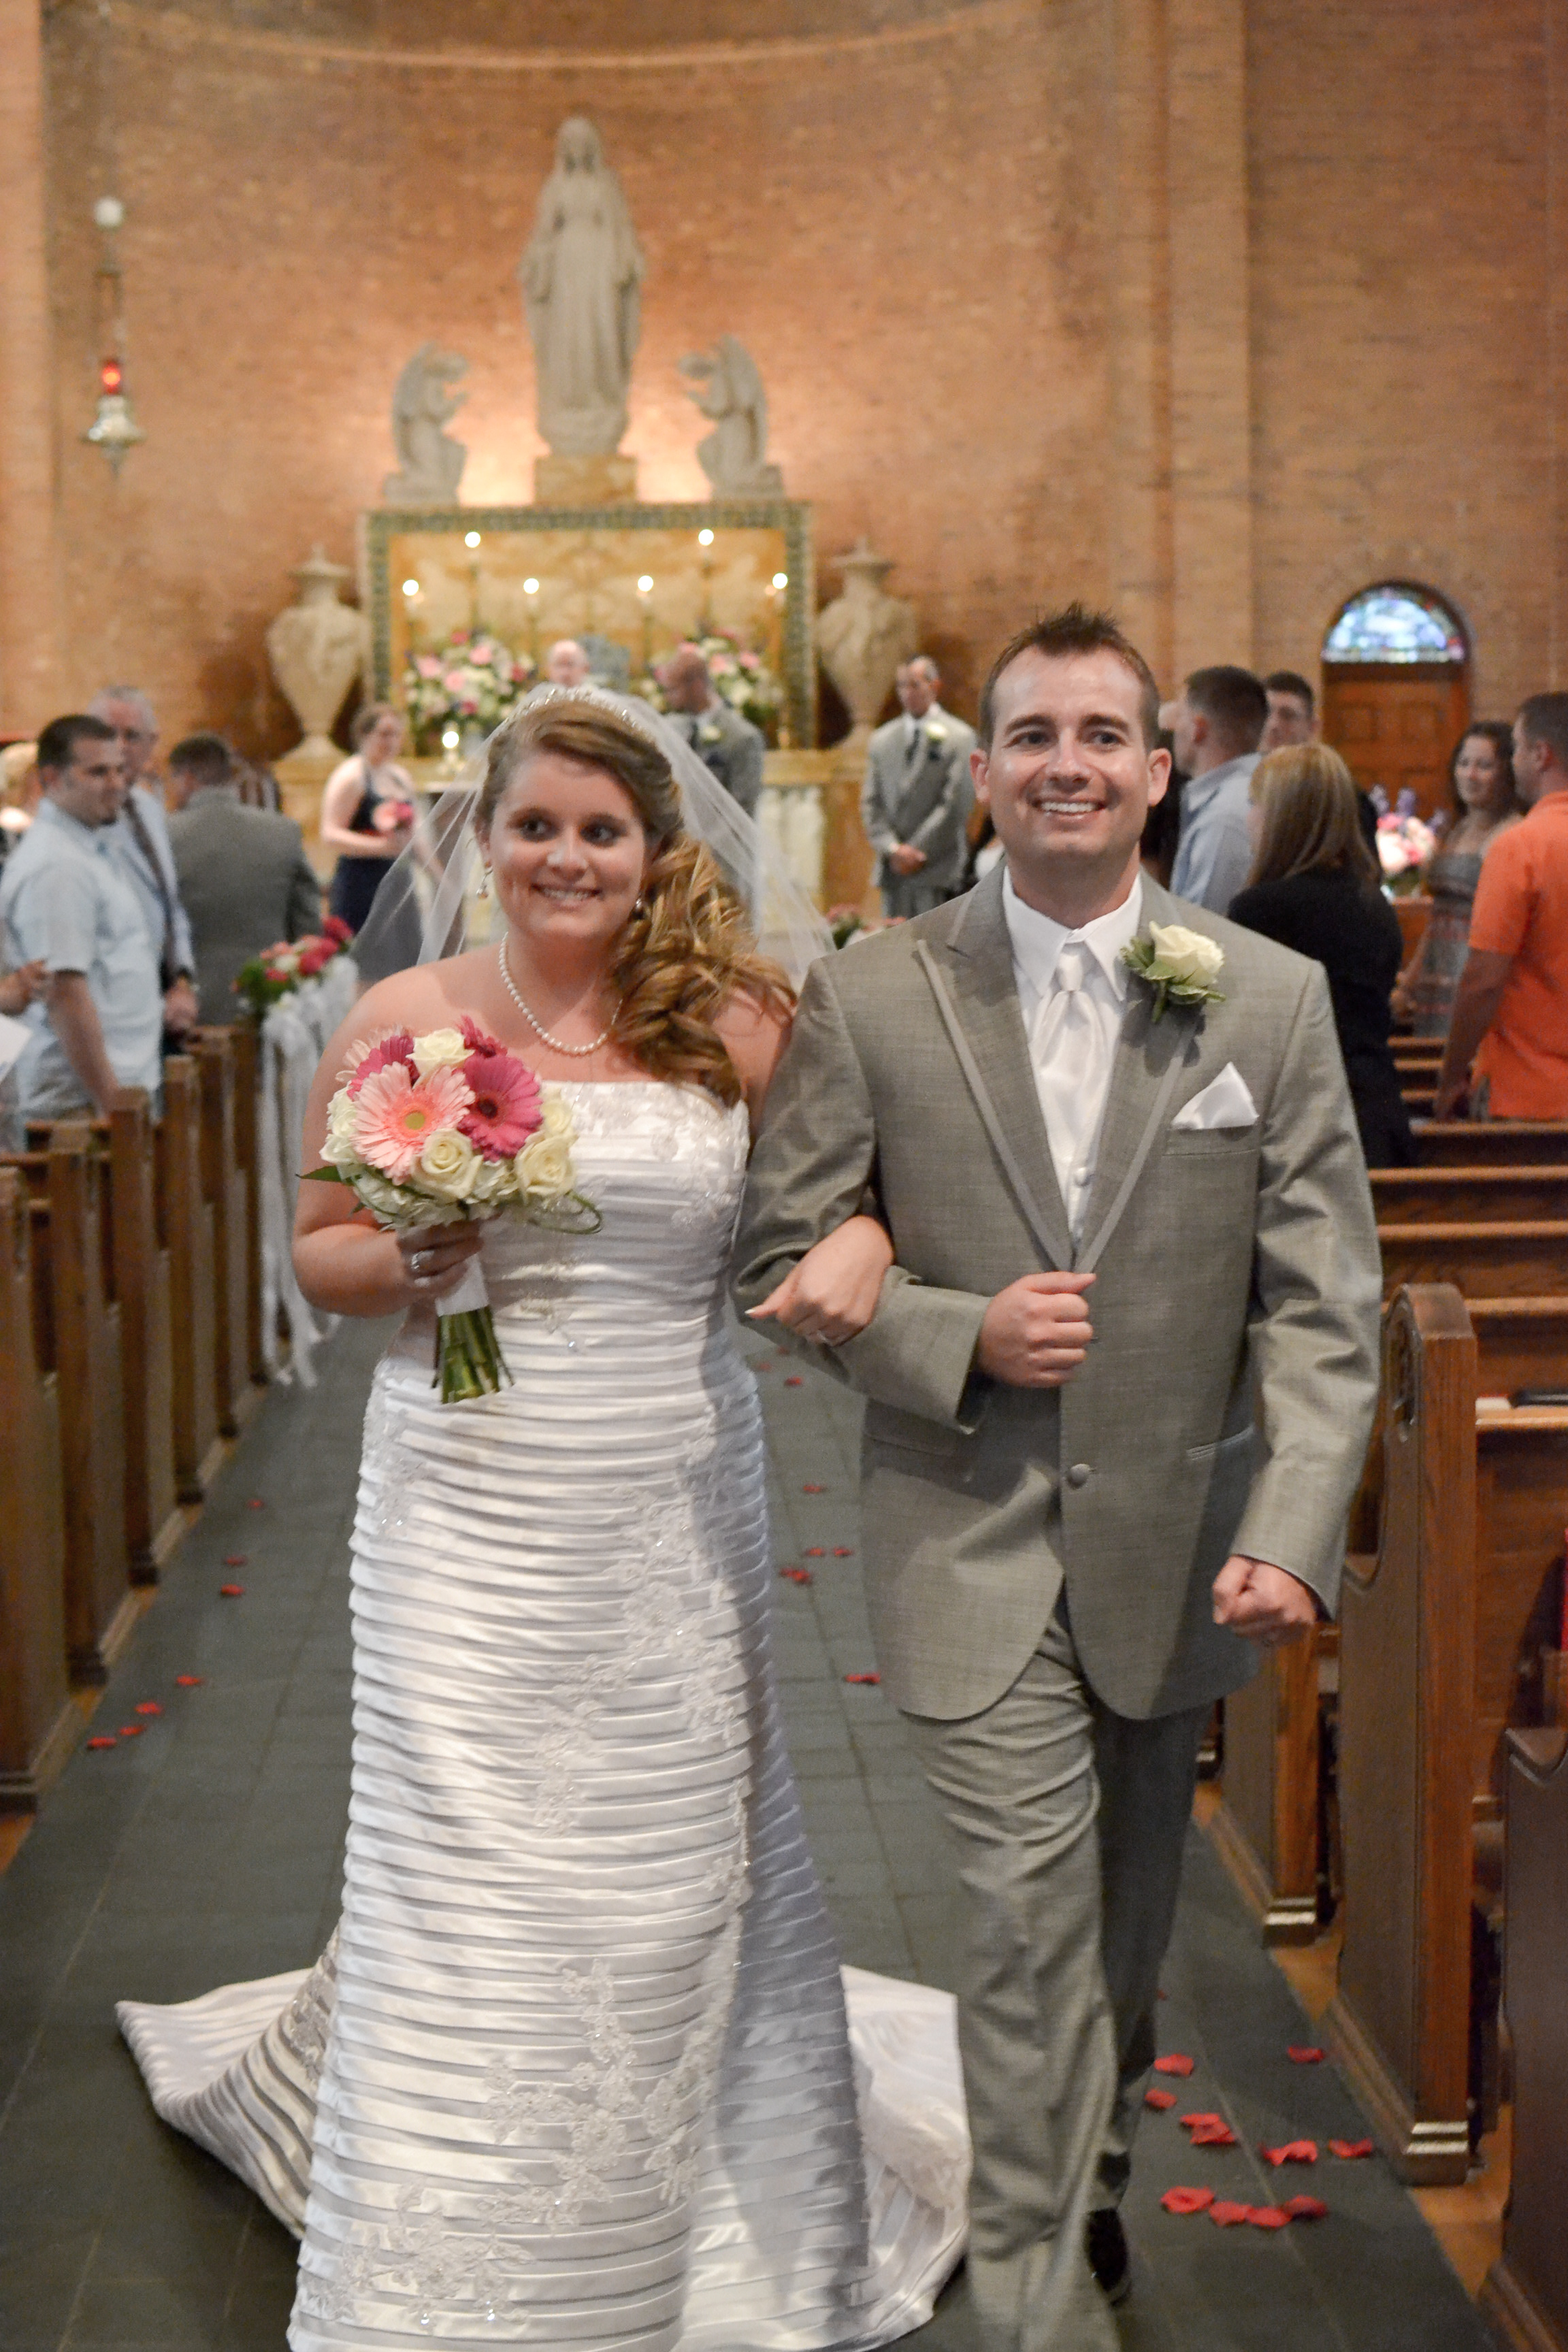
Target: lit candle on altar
(531, 589)
(644, 590)
(470, 538)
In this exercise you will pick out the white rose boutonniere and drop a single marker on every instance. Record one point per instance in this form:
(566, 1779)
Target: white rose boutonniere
(936, 732)
(710, 734)
(1179, 965)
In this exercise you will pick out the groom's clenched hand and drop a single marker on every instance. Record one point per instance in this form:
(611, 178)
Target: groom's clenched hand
(1266, 1603)
(1037, 1331)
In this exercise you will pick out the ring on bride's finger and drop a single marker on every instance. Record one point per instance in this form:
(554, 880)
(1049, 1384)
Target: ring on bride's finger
(419, 1260)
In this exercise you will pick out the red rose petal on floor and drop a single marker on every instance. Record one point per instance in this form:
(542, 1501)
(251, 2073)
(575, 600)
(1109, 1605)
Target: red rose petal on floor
(256, 1504)
(795, 1382)
(816, 1552)
(1304, 2057)
(1212, 2136)
(231, 1591)
(1294, 2151)
(1227, 2212)
(236, 1559)
(103, 1741)
(862, 1678)
(1155, 2097)
(795, 1575)
(1349, 2149)
(148, 1707)
(813, 1490)
(1269, 2217)
(189, 1682)
(1204, 2119)
(842, 1551)
(1187, 2201)
(1173, 2065)
(131, 1731)
(1306, 2209)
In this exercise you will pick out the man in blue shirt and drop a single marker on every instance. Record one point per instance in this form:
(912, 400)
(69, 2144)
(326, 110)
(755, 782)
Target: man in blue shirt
(66, 904)
(141, 841)
(1216, 724)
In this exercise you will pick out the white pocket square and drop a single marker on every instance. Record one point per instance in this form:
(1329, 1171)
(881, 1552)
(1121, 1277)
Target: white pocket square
(1223, 1102)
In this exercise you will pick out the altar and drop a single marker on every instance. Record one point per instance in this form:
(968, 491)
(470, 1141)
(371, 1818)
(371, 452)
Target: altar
(629, 582)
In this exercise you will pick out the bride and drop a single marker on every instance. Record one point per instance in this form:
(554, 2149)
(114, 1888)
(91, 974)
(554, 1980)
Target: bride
(576, 2070)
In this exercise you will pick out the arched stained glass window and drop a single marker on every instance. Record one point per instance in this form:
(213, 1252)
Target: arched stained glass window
(1396, 623)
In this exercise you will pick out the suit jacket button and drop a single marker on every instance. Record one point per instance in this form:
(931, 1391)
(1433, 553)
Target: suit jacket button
(1079, 1475)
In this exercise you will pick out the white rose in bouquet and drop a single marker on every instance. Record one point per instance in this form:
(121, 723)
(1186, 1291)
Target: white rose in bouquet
(447, 1166)
(440, 1049)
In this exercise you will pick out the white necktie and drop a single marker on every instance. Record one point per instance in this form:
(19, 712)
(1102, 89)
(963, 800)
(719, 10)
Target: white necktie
(1064, 1056)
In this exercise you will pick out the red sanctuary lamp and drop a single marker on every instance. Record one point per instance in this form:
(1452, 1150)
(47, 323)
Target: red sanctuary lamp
(114, 429)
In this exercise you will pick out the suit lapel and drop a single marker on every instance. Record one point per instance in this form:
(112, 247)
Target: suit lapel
(970, 976)
(1149, 1058)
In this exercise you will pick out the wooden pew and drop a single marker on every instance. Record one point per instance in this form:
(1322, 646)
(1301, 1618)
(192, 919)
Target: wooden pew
(1526, 2295)
(1433, 1631)
(1268, 1826)
(185, 1228)
(77, 1331)
(38, 1724)
(1491, 1142)
(137, 1281)
(227, 1187)
(1520, 1260)
(1511, 1192)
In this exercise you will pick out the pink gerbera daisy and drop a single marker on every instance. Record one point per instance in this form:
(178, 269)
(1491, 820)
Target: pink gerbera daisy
(506, 1107)
(475, 1039)
(382, 1050)
(399, 1114)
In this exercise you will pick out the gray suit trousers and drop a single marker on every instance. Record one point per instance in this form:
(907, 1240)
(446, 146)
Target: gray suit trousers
(1068, 1824)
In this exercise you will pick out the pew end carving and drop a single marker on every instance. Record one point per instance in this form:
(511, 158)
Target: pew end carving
(38, 1724)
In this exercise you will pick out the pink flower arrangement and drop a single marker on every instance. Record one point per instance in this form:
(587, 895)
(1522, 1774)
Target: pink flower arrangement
(445, 1128)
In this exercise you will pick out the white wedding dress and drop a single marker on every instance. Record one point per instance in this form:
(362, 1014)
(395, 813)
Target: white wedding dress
(576, 2071)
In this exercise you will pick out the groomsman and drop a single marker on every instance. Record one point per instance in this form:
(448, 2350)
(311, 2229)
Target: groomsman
(725, 742)
(917, 797)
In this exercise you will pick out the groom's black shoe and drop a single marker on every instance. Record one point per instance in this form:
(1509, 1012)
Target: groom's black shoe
(1105, 2242)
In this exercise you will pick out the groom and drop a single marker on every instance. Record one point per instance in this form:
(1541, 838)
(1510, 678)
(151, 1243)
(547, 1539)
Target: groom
(1121, 1383)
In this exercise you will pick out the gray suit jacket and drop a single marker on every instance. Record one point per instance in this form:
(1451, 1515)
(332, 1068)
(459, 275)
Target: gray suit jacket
(733, 747)
(246, 881)
(925, 803)
(1226, 1401)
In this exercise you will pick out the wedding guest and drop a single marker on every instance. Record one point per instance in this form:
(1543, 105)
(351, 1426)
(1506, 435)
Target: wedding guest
(243, 875)
(141, 841)
(728, 746)
(1507, 1036)
(566, 664)
(19, 791)
(1293, 711)
(365, 812)
(1214, 725)
(1481, 789)
(1315, 887)
(67, 903)
(916, 800)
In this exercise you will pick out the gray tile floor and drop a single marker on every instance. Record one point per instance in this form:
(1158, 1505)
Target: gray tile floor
(209, 1848)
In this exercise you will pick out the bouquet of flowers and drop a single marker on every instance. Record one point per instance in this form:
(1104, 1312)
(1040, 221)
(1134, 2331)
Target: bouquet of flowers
(278, 969)
(435, 1129)
(739, 673)
(1404, 844)
(469, 680)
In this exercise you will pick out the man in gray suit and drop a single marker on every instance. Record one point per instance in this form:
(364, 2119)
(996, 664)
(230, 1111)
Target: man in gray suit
(1121, 1380)
(724, 742)
(245, 879)
(916, 799)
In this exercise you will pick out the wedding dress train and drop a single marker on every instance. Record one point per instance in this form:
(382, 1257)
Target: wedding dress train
(576, 2070)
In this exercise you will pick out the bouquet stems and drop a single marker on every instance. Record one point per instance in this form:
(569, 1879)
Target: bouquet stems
(469, 1362)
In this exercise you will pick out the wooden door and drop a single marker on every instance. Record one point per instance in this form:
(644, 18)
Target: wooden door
(1396, 724)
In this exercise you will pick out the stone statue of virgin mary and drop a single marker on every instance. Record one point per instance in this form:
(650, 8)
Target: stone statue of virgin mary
(581, 278)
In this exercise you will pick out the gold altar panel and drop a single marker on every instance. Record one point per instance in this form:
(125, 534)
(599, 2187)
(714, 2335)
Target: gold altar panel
(538, 573)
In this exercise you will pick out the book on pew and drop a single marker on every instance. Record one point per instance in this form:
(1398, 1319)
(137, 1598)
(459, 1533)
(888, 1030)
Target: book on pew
(1540, 1397)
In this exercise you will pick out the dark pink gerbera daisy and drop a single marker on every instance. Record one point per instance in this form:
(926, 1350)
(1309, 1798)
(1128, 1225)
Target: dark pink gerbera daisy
(475, 1039)
(391, 1051)
(506, 1110)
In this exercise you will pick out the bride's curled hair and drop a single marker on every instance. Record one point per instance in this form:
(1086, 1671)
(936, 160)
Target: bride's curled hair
(688, 949)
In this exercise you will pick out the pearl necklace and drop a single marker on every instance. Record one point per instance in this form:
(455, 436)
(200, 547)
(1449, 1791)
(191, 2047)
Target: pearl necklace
(578, 1053)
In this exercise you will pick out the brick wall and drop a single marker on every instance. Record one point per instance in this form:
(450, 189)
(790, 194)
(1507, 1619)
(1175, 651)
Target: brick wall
(952, 240)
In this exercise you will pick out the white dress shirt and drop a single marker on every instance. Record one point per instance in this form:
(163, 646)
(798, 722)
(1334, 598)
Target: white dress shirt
(1072, 1067)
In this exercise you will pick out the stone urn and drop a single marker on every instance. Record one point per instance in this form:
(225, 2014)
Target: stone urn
(318, 646)
(863, 636)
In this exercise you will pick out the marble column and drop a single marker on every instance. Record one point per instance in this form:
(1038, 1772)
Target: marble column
(29, 605)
